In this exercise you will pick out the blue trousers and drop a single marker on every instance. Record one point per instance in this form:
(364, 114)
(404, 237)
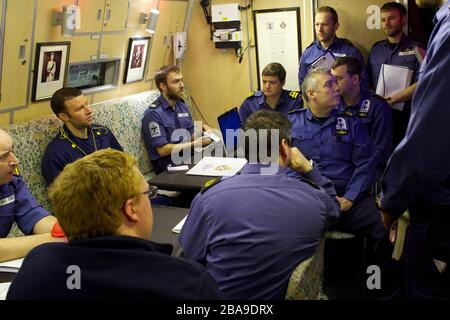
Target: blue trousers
(428, 238)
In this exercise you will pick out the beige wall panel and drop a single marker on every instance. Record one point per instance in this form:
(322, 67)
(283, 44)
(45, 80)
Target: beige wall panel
(160, 41)
(118, 13)
(82, 48)
(355, 21)
(92, 13)
(4, 120)
(136, 8)
(45, 31)
(114, 45)
(34, 111)
(124, 90)
(15, 69)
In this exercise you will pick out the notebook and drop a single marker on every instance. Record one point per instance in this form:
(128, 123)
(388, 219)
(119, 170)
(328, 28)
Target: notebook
(229, 121)
(325, 61)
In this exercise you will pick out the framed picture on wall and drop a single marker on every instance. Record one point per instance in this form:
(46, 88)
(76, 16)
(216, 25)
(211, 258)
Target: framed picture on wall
(136, 59)
(50, 69)
(278, 39)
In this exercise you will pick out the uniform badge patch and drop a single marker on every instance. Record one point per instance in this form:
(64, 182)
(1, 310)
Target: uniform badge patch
(341, 126)
(406, 52)
(364, 109)
(7, 200)
(183, 115)
(155, 130)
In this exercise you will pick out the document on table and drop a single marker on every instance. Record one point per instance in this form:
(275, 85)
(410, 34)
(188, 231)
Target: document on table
(393, 79)
(179, 226)
(217, 166)
(4, 287)
(11, 265)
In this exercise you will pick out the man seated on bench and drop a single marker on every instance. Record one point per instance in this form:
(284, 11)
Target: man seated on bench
(165, 115)
(343, 151)
(78, 137)
(17, 204)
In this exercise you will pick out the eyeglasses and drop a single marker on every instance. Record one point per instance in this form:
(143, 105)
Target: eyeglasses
(152, 192)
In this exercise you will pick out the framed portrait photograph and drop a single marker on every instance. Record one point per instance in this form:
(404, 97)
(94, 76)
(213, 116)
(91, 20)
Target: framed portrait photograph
(50, 68)
(136, 59)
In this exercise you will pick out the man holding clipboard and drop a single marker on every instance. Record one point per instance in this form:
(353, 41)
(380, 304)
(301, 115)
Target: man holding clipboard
(326, 24)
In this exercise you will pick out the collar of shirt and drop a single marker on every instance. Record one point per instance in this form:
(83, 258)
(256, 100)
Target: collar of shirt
(118, 242)
(363, 95)
(336, 42)
(404, 41)
(255, 168)
(331, 117)
(283, 96)
(164, 104)
(442, 12)
(72, 136)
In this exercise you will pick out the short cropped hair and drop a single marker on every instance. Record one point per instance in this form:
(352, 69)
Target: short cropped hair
(265, 120)
(62, 95)
(275, 69)
(89, 193)
(353, 65)
(161, 75)
(310, 81)
(330, 10)
(389, 6)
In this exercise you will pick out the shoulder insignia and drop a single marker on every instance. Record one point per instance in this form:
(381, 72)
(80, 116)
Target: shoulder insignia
(377, 43)
(297, 110)
(294, 94)
(251, 94)
(99, 130)
(310, 182)
(312, 43)
(378, 96)
(208, 184)
(346, 113)
(155, 103)
(348, 42)
(16, 172)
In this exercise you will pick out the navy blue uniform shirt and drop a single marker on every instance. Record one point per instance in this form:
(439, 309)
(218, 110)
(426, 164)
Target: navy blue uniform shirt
(160, 121)
(341, 148)
(375, 115)
(111, 267)
(253, 229)
(18, 205)
(65, 148)
(418, 170)
(289, 100)
(340, 48)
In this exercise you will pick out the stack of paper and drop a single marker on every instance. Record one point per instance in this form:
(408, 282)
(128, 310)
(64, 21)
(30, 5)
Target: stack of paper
(4, 287)
(393, 79)
(11, 266)
(179, 226)
(217, 166)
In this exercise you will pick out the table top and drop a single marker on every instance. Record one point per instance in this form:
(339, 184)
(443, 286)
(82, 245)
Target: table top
(164, 219)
